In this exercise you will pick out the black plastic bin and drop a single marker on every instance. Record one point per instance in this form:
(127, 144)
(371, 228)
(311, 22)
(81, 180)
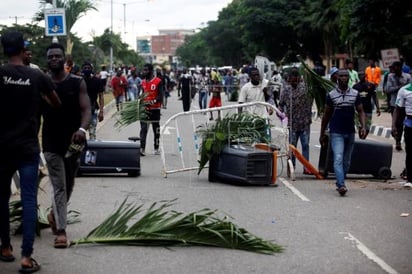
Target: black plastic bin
(368, 157)
(242, 164)
(110, 157)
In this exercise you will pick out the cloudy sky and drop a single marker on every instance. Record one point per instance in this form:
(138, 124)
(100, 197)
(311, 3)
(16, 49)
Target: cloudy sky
(142, 17)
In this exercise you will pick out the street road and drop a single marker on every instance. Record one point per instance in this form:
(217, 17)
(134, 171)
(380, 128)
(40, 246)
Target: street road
(321, 231)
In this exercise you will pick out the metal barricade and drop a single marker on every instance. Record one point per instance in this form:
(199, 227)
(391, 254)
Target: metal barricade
(178, 155)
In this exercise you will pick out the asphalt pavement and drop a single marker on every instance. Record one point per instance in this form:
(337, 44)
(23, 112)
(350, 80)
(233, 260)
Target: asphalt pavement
(322, 232)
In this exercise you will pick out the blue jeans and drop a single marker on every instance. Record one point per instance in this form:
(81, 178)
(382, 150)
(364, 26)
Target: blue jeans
(28, 171)
(342, 147)
(203, 99)
(304, 137)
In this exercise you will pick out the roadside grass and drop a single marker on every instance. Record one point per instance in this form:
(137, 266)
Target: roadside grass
(108, 97)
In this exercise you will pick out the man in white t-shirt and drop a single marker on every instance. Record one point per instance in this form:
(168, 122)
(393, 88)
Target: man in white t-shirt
(254, 91)
(103, 77)
(402, 114)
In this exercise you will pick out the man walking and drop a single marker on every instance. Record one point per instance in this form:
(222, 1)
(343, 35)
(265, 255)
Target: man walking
(340, 115)
(397, 80)
(21, 89)
(367, 94)
(152, 89)
(119, 85)
(185, 85)
(95, 91)
(296, 103)
(64, 134)
(403, 115)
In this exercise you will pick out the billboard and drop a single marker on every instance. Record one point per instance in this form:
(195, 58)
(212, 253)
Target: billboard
(389, 56)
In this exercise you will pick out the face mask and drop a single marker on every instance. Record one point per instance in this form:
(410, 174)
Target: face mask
(87, 72)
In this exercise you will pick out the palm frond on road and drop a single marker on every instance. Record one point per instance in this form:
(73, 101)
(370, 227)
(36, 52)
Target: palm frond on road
(159, 226)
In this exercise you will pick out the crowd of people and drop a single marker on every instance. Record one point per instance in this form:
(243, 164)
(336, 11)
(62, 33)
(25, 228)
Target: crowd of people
(70, 102)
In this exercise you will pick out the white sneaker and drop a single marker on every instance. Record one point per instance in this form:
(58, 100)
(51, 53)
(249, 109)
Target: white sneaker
(157, 152)
(142, 152)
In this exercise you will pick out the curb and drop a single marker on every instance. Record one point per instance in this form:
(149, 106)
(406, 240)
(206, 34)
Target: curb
(381, 131)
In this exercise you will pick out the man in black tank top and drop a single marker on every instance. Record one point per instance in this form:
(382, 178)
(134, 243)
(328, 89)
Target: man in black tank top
(21, 89)
(64, 135)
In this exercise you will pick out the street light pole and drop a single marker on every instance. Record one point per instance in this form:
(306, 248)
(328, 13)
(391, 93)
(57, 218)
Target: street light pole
(111, 36)
(55, 39)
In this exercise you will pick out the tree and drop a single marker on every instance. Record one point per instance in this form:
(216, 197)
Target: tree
(74, 10)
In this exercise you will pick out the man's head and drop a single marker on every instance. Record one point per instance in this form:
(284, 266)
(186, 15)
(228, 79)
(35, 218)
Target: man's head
(254, 76)
(13, 43)
(333, 72)
(55, 57)
(361, 76)
(397, 67)
(372, 63)
(69, 60)
(343, 78)
(28, 54)
(349, 64)
(87, 69)
(293, 78)
(147, 71)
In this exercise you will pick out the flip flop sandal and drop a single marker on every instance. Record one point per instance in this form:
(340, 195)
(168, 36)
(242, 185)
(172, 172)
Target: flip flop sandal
(61, 241)
(8, 258)
(30, 269)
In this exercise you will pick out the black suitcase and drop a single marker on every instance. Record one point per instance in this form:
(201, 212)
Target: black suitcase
(242, 164)
(368, 157)
(110, 157)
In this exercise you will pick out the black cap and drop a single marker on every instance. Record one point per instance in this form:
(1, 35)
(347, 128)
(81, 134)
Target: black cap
(12, 42)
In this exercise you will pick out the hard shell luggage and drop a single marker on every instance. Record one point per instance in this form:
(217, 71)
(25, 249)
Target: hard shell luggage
(368, 157)
(242, 164)
(110, 157)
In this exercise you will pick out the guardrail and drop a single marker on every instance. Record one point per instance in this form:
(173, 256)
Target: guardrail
(284, 152)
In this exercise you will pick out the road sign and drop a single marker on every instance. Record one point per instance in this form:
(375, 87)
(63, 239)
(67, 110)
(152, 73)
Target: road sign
(55, 22)
(389, 56)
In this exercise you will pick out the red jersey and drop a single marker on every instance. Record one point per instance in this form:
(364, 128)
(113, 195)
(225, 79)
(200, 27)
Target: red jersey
(152, 91)
(118, 85)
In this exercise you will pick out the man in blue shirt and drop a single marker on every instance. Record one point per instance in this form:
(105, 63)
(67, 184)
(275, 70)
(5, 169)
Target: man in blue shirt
(340, 107)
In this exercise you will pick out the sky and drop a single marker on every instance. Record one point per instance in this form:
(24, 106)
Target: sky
(131, 18)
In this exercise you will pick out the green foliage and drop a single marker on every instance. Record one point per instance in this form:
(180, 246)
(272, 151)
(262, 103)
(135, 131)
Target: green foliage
(159, 226)
(133, 111)
(238, 127)
(318, 87)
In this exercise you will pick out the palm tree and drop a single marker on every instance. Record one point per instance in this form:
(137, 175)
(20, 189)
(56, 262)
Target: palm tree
(75, 9)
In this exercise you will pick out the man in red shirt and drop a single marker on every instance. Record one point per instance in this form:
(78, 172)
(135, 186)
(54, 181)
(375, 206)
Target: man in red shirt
(119, 84)
(153, 95)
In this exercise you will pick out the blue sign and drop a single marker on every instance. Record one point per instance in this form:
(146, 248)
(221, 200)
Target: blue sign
(55, 22)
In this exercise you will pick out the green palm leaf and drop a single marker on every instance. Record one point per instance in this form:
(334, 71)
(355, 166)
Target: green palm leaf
(133, 111)
(236, 127)
(317, 86)
(159, 226)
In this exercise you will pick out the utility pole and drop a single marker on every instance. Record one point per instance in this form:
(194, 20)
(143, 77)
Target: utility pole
(55, 39)
(15, 18)
(124, 20)
(111, 36)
